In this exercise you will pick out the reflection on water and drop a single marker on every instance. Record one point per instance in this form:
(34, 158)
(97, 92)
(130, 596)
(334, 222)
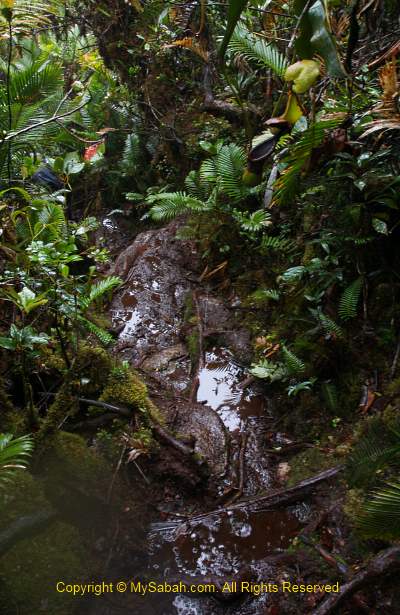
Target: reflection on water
(219, 387)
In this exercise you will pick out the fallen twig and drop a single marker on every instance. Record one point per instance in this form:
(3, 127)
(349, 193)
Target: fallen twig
(385, 561)
(276, 499)
(328, 557)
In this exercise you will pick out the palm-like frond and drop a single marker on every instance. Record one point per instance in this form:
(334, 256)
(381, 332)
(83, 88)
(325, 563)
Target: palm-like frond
(288, 183)
(195, 187)
(105, 338)
(131, 153)
(226, 169)
(99, 289)
(14, 453)
(293, 364)
(278, 244)
(28, 16)
(43, 220)
(378, 448)
(380, 515)
(349, 300)
(255, 49)
(172, 204)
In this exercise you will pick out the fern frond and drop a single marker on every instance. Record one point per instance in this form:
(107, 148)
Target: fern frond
(14, 453)
(195, 187)
(377, 448)
(230, 162)
(278, 244)
(255, 49)
(264, 294)
(172, 204)
(287, 184)
(380, 515)
(349, 300)
(105, 338)
(131, 154)
(28, 17)
(330, 395)
(328, 324)
(293, 364)
(99, 289)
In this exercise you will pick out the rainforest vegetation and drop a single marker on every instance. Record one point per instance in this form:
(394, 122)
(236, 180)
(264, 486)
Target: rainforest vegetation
(186, 185)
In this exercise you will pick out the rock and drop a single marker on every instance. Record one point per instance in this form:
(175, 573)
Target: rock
(160, 360)
(150, 305)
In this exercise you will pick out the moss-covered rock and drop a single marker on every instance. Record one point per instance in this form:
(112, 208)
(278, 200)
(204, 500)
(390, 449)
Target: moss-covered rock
(125, 388)
(31, 568)
(308, 463)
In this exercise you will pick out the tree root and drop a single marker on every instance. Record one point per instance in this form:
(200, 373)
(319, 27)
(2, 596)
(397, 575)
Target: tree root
(386, 561)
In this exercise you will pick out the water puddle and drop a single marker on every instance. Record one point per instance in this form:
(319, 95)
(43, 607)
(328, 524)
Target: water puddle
(219, 388)
(221, 547)
(226, 544)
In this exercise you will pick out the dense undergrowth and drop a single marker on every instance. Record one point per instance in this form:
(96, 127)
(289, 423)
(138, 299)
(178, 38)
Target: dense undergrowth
(279, 147)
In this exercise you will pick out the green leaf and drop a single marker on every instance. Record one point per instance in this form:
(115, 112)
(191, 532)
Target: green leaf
(380, 226)
(235, 9)
(349, 300)
(8, 343)
(72, 164)
(256, 49)
(28, 300)
(14, 453)
(315, 36)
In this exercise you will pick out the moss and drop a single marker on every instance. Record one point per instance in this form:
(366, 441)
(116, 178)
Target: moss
(353, 505)
(192, 344)
(92, 367)
(69, 464)
(51, 360)
(308, 463)
(125, 388)
(32, 567)
(64, 403)
(13, 505)
(10, 421)
(88, 373)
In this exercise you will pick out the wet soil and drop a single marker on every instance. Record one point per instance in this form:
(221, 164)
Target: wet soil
(228, 422)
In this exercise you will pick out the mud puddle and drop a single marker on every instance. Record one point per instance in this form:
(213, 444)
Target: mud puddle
(220, 388)
(233, 545)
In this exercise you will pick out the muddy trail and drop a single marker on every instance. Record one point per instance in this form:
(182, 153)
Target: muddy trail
(188, 345)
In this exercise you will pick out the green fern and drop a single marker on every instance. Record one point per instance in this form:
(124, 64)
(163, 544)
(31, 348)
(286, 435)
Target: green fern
(264, 294)
(255, 49)
(379, 447)
(328, 324)
(380, 514)
(277, 244)
(293, 364)
(14, 453)
(349, 300)
(225, 171)
(330, 395)
(131, 154)
(173, 204)
(288, 183)
(25, 19)
(105, 338)
(99, 289)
